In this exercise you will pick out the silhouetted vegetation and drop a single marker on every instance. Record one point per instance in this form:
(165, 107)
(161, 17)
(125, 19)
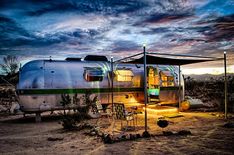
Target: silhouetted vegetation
(211, 91)
(7, 98)
(70, 121)
(10, 65)
(9, 69)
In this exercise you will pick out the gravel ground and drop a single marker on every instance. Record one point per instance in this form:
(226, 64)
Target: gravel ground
(20, 135)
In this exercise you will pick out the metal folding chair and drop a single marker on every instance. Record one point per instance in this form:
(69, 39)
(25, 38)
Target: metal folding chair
(121, 114)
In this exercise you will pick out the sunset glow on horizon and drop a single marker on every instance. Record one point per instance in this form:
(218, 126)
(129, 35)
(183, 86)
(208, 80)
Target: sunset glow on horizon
(213, 71)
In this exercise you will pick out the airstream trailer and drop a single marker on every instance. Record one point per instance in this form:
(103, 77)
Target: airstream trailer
(42, 83)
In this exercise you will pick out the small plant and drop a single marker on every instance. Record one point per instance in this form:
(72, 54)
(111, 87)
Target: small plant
(89, 104)
(66, 100)
(68, 122)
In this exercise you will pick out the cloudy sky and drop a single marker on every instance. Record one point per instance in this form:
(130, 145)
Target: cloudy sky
(35, 29)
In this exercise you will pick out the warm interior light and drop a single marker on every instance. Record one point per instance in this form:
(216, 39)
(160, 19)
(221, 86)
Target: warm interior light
(160, 110)
(167, 78)
(124, 75)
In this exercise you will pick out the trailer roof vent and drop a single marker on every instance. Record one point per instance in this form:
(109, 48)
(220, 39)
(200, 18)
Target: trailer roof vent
(95, 58)
(73, 59)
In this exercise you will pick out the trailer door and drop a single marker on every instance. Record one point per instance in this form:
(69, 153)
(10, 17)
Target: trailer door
(153, 85)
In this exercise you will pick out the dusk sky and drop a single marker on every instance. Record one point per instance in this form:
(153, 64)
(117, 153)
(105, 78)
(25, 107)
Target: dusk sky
(36, 29)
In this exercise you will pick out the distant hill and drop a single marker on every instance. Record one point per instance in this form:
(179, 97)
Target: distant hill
(205, 77)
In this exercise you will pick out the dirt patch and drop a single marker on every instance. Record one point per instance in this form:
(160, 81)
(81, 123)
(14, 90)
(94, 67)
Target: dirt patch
(208, 136)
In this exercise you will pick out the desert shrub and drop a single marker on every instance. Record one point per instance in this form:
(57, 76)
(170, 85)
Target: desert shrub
(210, 91)
(10, 65)
(66, 100)
(68, 122)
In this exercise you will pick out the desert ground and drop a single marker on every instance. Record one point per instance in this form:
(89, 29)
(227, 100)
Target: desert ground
(20, 135)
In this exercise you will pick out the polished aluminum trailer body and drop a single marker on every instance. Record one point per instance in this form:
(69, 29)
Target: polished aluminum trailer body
(43, 82)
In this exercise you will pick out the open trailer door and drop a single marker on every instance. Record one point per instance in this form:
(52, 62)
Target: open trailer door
(153, 86)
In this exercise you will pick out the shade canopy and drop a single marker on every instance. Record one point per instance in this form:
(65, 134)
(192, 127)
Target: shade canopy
(167, 61)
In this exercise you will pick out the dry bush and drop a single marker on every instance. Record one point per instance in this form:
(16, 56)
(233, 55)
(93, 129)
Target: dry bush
(211, 91)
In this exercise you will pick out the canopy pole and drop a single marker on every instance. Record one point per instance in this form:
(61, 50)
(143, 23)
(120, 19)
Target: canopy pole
(179, 88)
(145, 133)
(225, 83)
(112, 86)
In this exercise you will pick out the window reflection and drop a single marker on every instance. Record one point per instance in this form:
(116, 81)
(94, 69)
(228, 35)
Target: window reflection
(93, 74)
(123, 75)
(167, 78)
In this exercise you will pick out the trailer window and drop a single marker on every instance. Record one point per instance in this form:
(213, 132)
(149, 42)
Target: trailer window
(167, 79)
(93, 74)
(153, 78)
(123, 75)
